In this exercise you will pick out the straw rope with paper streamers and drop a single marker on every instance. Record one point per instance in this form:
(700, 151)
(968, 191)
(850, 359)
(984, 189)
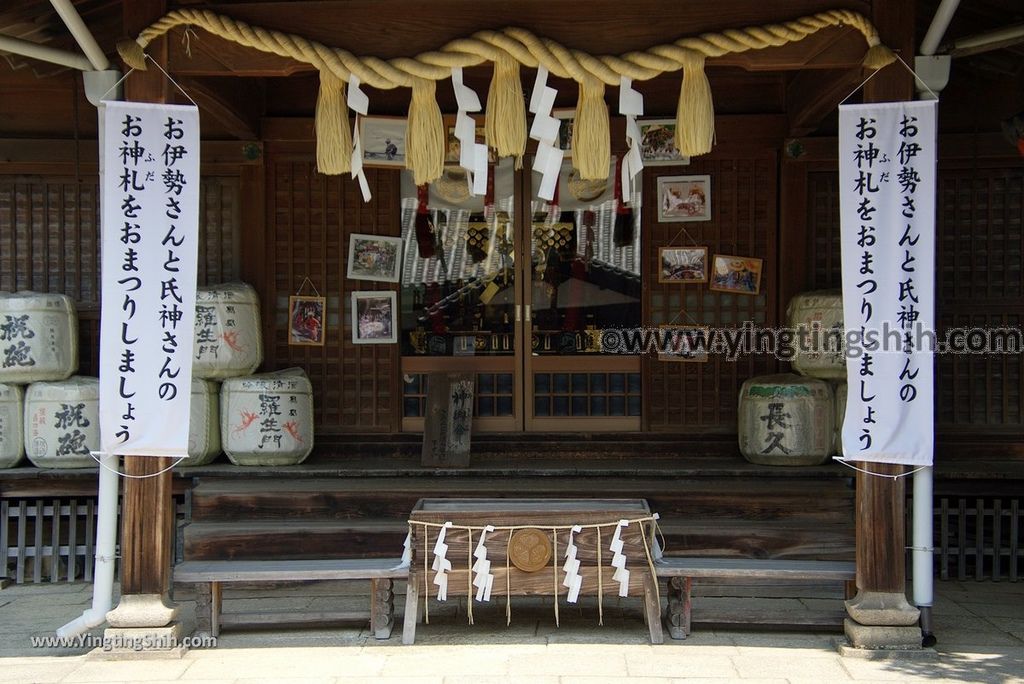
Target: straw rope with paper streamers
(479, 571)
(508, 49)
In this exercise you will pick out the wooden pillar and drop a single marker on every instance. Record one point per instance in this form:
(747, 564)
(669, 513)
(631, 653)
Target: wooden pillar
(880, 614)
(147, 510)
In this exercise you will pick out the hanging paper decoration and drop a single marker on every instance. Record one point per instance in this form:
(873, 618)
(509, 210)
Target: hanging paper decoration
(631, 105)
(472, 155)
(621, 574)
(548, 159)
(441, 565)
(483, 579)
(573, 580)
(406, 551)
(358, 102)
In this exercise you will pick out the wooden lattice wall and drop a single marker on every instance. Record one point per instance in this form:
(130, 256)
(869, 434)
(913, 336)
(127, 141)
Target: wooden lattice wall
(309, 220)
(702, 397)
(979, 248)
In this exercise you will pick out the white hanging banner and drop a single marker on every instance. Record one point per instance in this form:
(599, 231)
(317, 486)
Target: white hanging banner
(887, 170)
(149, 180)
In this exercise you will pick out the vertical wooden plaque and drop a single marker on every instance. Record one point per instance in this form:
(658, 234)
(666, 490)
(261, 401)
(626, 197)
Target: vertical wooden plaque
(448, 422)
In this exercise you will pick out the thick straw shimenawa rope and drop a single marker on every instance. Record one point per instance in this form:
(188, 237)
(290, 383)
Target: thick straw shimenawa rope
(695, 119)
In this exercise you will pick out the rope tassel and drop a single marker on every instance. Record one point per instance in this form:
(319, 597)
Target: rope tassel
(591, 137)
(695, 118)
(333, 135)
(424, 136)
(505, 125)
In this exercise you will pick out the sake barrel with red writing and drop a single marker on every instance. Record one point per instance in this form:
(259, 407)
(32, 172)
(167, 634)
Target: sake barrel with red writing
(12, 428)
(820, 313)
(38, 337)
(62, 422)
(227, 341)
(204, 423)
(267, 419)
(840, 416)
(786, 419)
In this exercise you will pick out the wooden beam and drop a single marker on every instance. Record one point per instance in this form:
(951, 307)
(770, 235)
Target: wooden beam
(235, 104)
(813, 95)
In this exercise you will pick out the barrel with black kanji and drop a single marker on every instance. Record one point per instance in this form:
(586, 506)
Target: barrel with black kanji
(267, 419)
(62, 422)
(38, 337)
(820, 348)
(786, 419)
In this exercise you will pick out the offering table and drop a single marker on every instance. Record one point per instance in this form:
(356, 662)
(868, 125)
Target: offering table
(526, 552)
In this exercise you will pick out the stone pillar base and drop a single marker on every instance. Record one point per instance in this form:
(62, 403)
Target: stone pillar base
(874, 641)
(140, 643)
(142, 610)
(884, 609)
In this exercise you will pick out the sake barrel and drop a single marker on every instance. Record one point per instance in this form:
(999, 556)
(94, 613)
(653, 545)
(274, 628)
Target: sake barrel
(38, 337)
(786, 419)
(204, 423)
(267, 419)
(820, 313)
(228, 341)
(12, 428)
(840, 416)
(62, 422)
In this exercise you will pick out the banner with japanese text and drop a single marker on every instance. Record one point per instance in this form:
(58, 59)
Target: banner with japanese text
(149, 184)
(887, 171)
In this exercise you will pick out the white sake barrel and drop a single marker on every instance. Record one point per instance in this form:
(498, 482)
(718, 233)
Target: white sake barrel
(62, 422)
(38, 337)
(786, 419)
(228, 342)
(267, 419)
(204, 423)
(840, 416)
(824, 308)
(12, 427)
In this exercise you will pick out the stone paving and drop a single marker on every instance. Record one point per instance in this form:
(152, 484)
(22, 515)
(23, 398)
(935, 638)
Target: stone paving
(980, 627)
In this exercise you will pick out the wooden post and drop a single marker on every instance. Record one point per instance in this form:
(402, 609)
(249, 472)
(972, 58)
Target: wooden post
(147, 509)
(880, 615)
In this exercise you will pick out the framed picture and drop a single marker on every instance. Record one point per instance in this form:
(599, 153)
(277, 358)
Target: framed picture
(568, 117)
(453, 148)
(657, 143)
(684, 343)
(373, 317)
(374, 257)
(383, 140)
(684, 198)
(306, 320)
(682, 264)
(741, 275)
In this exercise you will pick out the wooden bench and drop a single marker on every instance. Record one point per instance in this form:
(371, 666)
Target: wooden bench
(682, 571)
(210, 575)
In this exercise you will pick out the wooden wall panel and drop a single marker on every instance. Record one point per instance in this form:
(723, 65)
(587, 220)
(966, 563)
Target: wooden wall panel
(309, 220)
(980, 282)
(702, 397)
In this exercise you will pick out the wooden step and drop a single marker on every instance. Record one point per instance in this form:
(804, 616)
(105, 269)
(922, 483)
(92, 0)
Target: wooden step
(748, 500)
(293, 540)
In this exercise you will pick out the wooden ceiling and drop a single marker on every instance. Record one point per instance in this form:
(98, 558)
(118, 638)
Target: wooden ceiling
(805, 80)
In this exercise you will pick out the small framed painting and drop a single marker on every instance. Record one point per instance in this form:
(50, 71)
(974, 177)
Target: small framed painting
(383, 140)
(453, 148)
(373, 317)
(683, 343)
(306, 320)
(682, 264)
(374, 257)
(657, 143)
(737, 274)
(684, 198)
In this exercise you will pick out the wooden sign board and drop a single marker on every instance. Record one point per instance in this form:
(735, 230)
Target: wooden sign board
(449, 419)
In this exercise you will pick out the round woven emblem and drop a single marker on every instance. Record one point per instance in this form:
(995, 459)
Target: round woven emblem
(529, 550)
